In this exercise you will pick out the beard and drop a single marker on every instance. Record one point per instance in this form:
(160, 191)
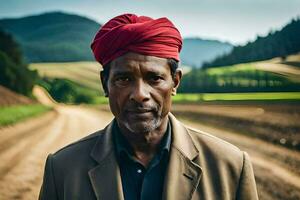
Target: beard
(142, 125)
(137, 118)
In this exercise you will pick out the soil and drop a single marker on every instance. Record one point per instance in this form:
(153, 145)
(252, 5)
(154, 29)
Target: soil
(277, 123)
(8, 98)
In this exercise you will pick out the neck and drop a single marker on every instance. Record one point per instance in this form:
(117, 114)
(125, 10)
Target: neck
(145, 145)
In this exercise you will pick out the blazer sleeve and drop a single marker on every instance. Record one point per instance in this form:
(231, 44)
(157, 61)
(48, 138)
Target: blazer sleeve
(247, 186)
(48, 189)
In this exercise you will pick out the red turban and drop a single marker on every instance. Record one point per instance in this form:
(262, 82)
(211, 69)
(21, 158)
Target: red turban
(130, 33)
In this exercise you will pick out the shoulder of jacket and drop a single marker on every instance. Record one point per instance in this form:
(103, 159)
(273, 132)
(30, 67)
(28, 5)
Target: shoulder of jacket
(83, 143)
(217, 147)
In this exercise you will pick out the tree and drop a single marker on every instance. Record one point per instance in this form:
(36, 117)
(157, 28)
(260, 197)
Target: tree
(14, 73)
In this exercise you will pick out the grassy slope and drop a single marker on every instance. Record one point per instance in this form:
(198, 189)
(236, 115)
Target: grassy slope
(84, 73)
(13, 114)
(289, 63)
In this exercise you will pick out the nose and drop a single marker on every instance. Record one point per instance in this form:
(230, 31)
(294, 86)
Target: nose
(140, 92)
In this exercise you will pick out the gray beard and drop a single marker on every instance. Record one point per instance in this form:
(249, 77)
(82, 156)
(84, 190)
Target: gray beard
(143, 127)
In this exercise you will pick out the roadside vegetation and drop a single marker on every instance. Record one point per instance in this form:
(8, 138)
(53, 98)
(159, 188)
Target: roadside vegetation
(13, 114)
(70, 92)
(17, 81)
(14, 72)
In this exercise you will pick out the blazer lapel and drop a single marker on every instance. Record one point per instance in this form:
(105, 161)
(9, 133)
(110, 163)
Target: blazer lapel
(105, 177)
(183, 175)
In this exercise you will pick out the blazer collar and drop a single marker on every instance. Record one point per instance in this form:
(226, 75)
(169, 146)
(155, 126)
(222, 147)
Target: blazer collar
(183, 174)
(181, 139)
(105, 177)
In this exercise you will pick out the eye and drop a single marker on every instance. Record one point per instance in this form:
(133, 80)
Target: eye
(122, 80)
(156, 78)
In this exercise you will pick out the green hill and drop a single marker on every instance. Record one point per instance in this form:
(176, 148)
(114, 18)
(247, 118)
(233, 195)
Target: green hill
(53, 36)
(279, 43)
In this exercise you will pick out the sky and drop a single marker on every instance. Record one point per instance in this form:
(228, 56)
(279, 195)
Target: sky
(234, 21)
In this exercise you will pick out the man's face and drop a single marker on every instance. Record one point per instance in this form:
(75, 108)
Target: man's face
(139, 89)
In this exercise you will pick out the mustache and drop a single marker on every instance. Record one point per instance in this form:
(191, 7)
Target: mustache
(134, 107)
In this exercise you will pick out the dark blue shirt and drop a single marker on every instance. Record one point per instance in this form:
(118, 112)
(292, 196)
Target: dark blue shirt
(138, 182)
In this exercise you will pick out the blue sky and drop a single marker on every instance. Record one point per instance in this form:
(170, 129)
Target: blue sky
(235, 21)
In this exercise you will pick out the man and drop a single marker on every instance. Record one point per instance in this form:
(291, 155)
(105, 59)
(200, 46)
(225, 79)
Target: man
(145, 153)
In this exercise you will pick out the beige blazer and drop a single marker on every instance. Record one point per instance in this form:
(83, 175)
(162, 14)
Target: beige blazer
(201, 166)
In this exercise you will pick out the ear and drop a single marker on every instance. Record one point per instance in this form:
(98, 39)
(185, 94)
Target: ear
(104, 83)
(176, 79)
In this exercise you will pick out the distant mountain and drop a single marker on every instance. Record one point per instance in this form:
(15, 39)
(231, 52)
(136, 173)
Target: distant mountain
(279, 43)
(53, 36)
(59, 37)
(195, 51)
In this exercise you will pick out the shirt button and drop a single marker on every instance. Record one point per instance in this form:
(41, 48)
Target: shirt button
(139, 171)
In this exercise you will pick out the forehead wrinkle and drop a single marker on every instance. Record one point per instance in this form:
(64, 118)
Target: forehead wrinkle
(139, 64)
(126, 68)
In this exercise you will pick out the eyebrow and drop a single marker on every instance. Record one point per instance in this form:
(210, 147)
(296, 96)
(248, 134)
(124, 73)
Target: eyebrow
(121, 72)
(125, 71)
(155, 73)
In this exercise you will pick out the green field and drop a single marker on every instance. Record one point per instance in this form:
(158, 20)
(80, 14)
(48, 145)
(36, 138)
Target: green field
(12, 114)
(230, 69)
(259, 96)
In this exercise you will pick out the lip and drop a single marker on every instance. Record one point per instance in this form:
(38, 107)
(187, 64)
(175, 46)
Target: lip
(140, 112)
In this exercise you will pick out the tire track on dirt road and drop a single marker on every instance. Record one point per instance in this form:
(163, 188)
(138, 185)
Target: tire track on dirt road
(12, 147)
(15, 182)
(9, 137)
(80, 123)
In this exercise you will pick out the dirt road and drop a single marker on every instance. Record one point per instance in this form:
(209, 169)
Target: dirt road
(24, 147)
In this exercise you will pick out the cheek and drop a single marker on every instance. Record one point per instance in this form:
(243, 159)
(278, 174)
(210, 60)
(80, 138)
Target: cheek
(165, 99)
(113, 106)
(116, 102)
